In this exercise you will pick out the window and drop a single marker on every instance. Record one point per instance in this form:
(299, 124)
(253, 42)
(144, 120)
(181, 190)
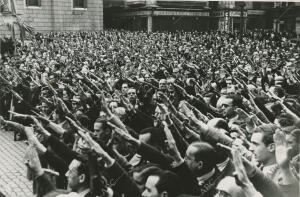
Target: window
(80, 4)
(33, 3)
(257, 5)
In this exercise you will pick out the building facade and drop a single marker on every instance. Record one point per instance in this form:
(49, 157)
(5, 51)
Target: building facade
(172, 15)
(59, 15)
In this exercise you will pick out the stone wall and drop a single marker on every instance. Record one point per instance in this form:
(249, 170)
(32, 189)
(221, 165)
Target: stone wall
(59, 15)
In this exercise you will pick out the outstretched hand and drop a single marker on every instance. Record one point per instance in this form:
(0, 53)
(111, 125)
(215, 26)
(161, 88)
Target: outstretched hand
(240, 171)
(124, 134)
(32, 161)
(281, 149)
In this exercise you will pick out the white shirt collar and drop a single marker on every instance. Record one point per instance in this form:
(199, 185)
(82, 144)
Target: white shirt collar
(222, 166)
(205, 177)
(269, 170)
(84, 192)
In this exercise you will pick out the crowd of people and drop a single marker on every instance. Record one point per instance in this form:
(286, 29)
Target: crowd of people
(119, 113)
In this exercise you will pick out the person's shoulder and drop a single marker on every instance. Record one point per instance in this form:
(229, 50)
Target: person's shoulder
(57, 193)
(88, 195)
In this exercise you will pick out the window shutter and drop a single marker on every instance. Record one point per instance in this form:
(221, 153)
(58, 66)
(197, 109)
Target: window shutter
(39, 3)
(85, 3)
(27, 3)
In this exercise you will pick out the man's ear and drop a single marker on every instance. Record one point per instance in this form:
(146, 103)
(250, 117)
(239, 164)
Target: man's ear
(271, 147)
(81, 178)
(164, 194)
(200, 165)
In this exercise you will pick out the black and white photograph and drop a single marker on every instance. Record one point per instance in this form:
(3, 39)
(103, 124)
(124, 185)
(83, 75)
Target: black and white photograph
(149, 98)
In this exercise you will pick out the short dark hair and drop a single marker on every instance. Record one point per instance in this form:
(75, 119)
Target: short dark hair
(83, 168)
(237, 101)
(205, 153)
(279, 91)
(145, 166)
(169, 182)
(222, 124)
(284, 120)
(268, 131)
(157, 136)
(146, 170)
(84, 120)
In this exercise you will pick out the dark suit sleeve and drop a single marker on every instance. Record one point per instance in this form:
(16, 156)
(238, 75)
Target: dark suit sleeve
(216, 137)
(44, 185)
(204, 108)
(35, 94)
(121, 182)
(153, 155)
(267, 113)
(181, 144)
(62, 150)
(56, 162)
(189, 183)
(93, 112)
(139, 121)
(265, 185)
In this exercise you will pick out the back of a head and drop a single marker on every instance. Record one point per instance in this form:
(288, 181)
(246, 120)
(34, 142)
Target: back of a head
(237, 101)
(83, 168)
(218, 123)
(168, 182)
(157, 137)
(206, 153)
(145, 171)
(84, 120)
(229, 186)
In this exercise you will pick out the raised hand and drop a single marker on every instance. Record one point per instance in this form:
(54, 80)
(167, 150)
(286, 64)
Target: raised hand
(240, 171)
(17, 95)
(43, 118)
(183, 91)
(124, 134)
(80, 130)
(171, 144)
(185, 110)
(282, 154)
(167, 102)
(33, 140)
(63, 106)
(15, 114)
(292, 115)
(94, 145)
(105, 105)
(164, 98)
(32, 161)
(52, 89)
(2, 120)
(242, 115)
(281, 149)
(127, 103)
(40, 127)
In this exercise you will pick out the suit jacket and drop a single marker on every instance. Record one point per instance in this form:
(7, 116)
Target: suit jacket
(47, 189)
(189, 181)
(206, 189)
(121, 182)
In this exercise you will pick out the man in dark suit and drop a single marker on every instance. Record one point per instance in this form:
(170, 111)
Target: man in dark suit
(78, 177)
